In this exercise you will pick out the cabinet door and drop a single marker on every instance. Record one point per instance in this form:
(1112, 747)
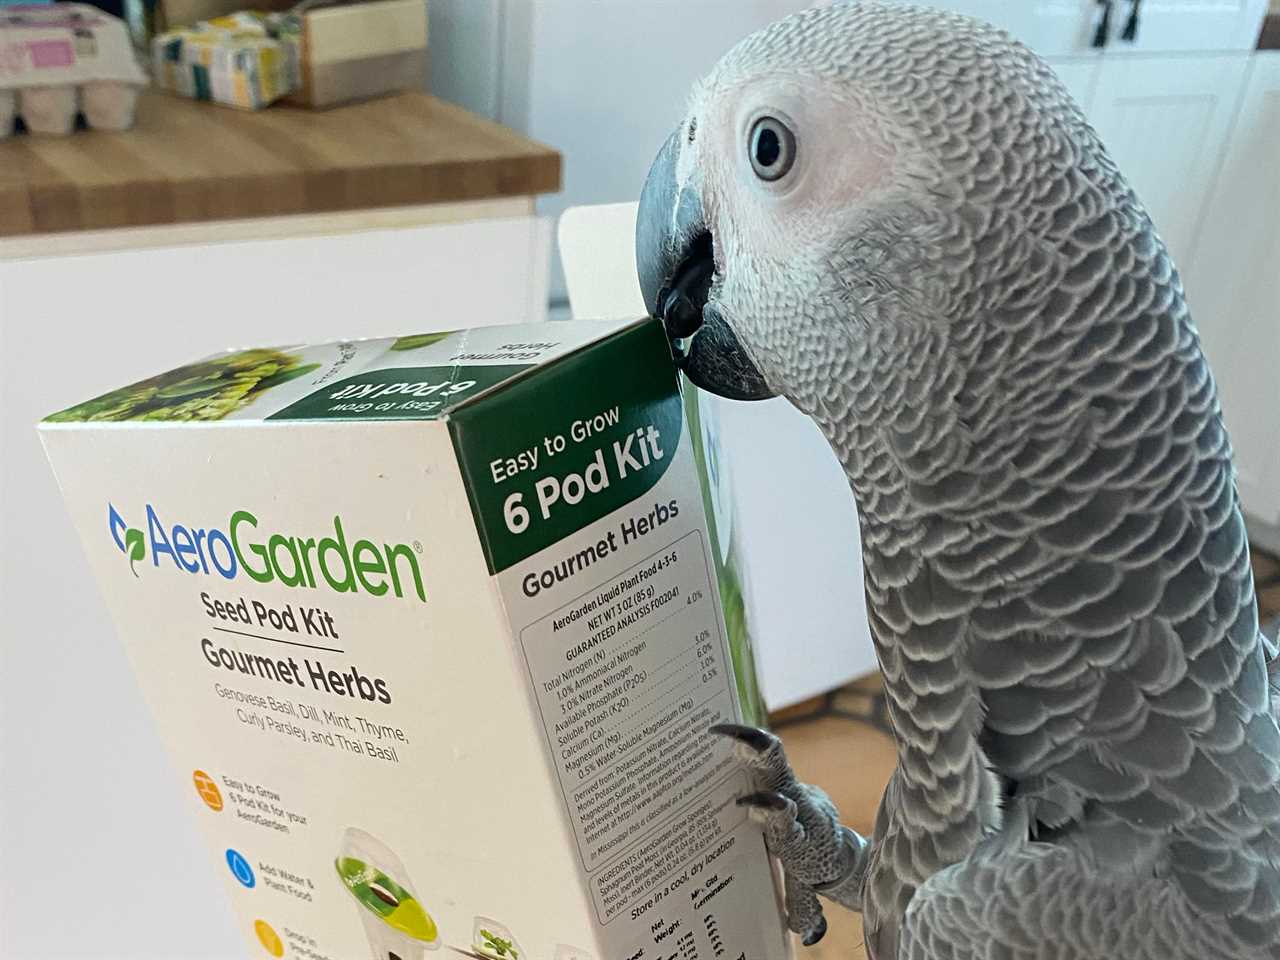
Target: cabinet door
(1233, 287)
(1052, 28)
(1166, 26)
(1165, 121)
(1064, 28)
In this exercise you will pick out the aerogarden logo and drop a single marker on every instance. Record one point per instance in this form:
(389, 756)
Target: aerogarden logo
(292, 561)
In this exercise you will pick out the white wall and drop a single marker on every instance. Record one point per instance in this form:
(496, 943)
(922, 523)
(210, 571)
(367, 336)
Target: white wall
(464, 43)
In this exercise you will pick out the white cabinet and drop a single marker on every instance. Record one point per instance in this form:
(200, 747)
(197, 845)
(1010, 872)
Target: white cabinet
(1066, 28)
(1166, 121)
(1189, 25)
(1233, 287)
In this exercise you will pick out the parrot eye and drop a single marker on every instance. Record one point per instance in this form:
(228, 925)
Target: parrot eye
(772, 148)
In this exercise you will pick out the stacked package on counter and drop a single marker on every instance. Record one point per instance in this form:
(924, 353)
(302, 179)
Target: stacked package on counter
(246, 60)
(60, 60)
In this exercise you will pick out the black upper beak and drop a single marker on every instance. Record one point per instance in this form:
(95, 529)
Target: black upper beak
(676, 263)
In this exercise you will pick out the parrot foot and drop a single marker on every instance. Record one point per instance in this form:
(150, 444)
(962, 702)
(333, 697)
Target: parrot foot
(801, 829)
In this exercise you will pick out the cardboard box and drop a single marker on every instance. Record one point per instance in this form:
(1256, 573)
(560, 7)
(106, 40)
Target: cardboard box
(430, 630)
(355, 51)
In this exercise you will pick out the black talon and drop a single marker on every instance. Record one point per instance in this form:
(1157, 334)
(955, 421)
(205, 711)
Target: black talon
(755, 738)
(767, 799)
(817, 933)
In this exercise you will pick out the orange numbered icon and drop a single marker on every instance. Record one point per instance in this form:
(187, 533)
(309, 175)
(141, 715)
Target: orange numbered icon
(208, 790)
(269, 939)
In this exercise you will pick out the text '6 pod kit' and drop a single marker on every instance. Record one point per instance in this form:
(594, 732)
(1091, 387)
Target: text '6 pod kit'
(431, 628)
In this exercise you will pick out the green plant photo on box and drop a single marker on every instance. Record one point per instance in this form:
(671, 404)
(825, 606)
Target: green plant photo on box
(728, 575)
(208, 390)
(419, 340)
(496, 946)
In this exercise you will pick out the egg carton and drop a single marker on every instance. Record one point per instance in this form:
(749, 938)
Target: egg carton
(63, 63)
(101, 104)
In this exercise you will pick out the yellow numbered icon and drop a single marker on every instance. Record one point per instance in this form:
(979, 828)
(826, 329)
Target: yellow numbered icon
(269, 939)
(208, 790)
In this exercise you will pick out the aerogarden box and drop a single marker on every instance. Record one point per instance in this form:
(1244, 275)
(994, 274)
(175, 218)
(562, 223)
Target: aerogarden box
(431, 628)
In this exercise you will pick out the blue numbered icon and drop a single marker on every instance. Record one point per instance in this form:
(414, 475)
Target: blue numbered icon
(240, 868)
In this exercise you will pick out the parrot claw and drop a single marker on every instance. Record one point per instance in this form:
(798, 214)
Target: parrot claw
(753, 737)
(801, 828)
(765, 800)
(817, 933)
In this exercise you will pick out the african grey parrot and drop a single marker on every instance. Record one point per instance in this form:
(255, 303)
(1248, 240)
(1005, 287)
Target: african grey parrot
(899, 220)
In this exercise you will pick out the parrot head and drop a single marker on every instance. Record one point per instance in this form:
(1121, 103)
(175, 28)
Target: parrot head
(850, 190)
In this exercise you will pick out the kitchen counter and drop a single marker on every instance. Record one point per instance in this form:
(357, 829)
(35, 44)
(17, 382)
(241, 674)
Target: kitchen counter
(188, 163)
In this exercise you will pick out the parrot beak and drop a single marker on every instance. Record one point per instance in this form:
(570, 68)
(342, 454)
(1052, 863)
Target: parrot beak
(675, 261)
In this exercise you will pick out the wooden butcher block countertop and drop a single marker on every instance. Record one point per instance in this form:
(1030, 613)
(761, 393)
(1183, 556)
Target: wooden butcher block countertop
(186, 162)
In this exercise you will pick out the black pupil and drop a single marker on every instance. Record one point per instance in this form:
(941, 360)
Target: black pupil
(768, 147)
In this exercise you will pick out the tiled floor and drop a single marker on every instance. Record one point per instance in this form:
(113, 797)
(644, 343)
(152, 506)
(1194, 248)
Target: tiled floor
(852, 760)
